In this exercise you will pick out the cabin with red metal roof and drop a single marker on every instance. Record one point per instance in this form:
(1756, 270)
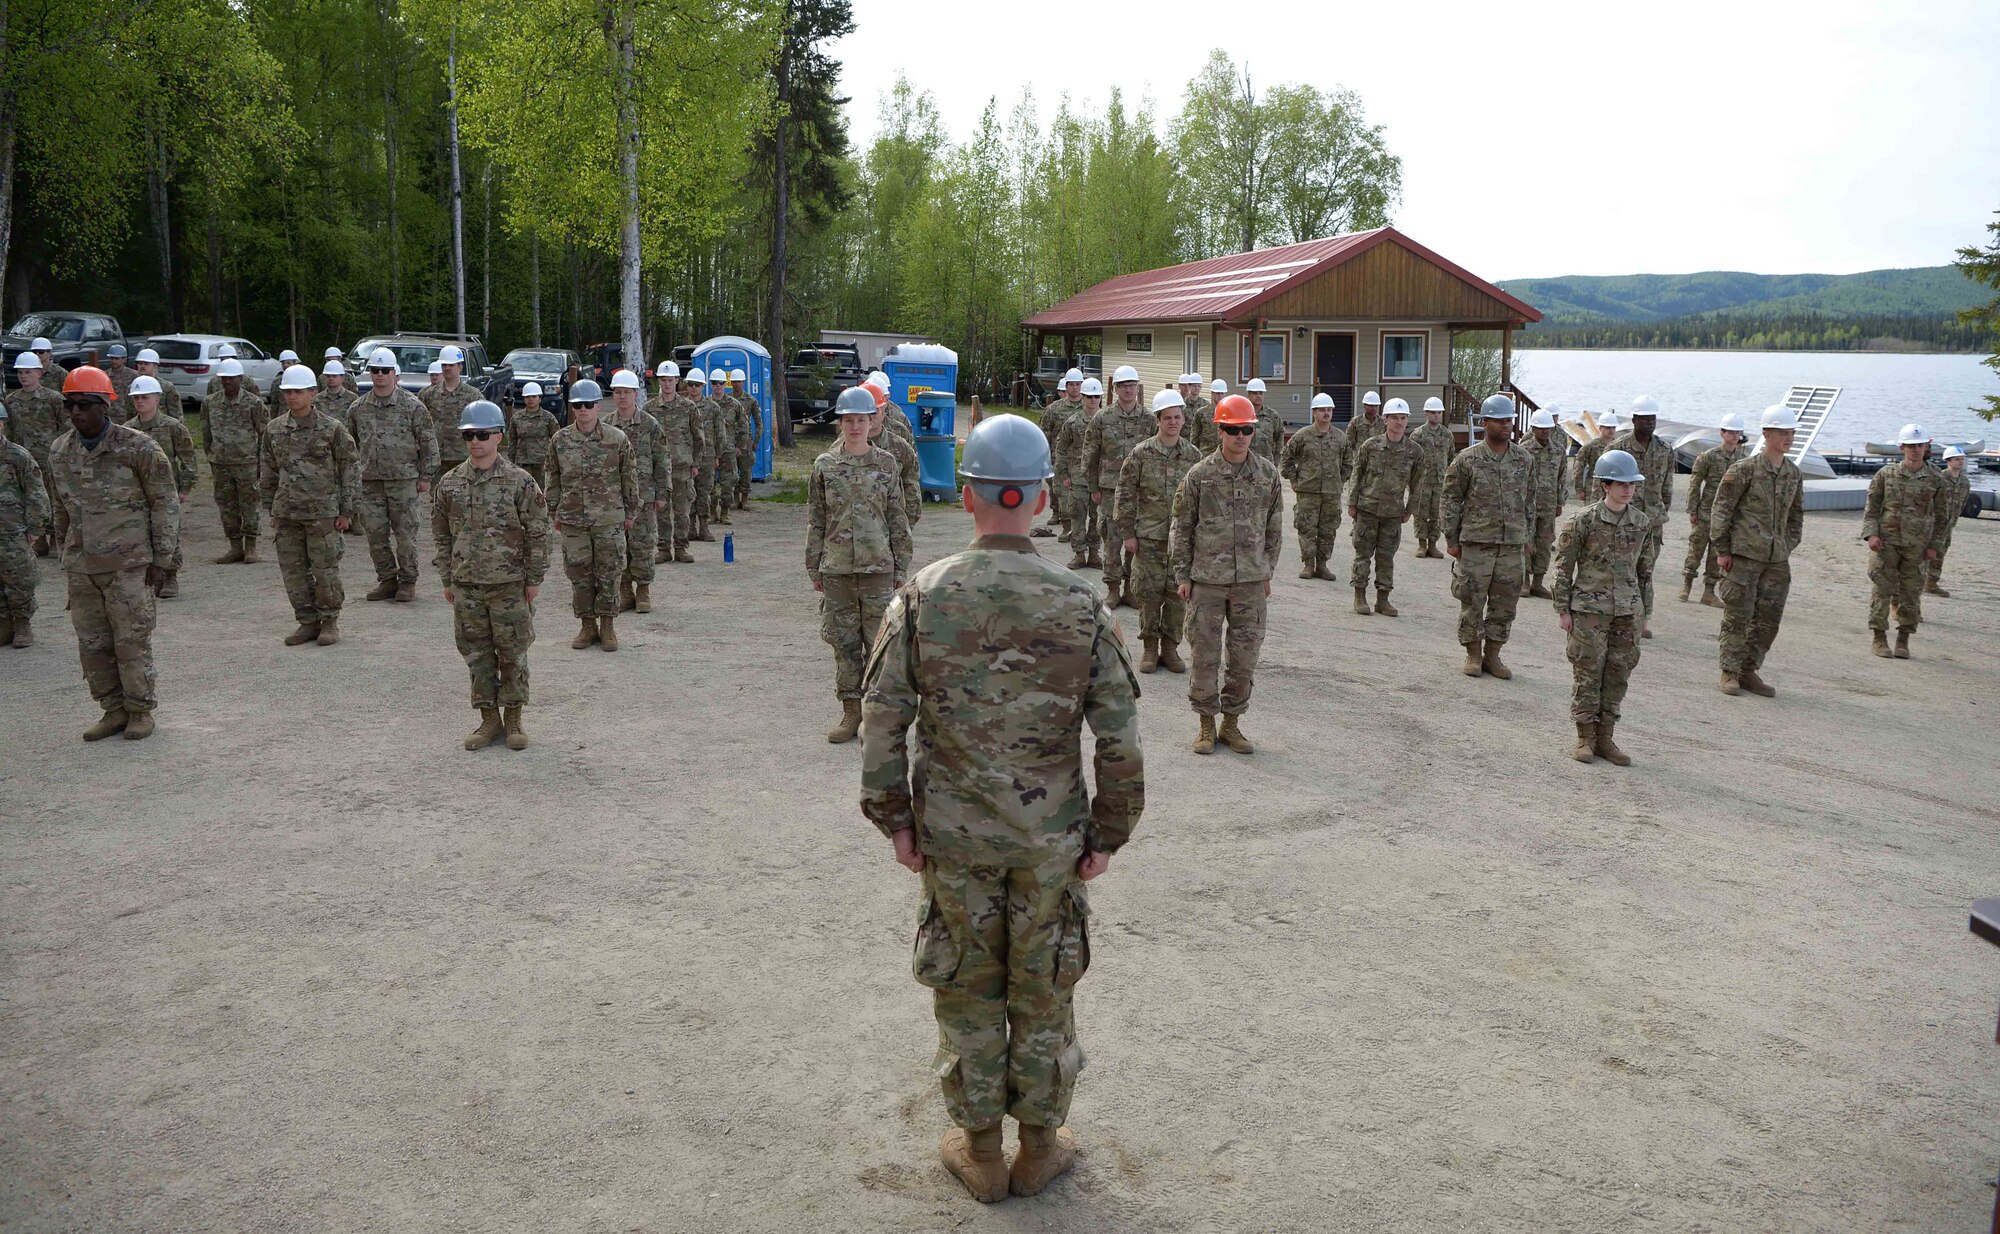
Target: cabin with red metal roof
(1372, 310)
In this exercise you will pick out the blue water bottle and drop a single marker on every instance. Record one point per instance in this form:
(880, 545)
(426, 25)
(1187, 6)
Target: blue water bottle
(728, 548)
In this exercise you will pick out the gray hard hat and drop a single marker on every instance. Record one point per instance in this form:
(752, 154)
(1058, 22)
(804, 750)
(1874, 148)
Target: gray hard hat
(1006, 449)
(854, 401)
(482, 413)
(584, 390)
(1497, 407)
(1617, 465)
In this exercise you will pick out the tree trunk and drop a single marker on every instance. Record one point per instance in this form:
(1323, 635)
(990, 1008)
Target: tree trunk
(535, 282)
(624, 35)
(395, 228)
(7, 113)
(215, 325)
(486, 255)
(158, 176)
(781, 212)
(457, 186)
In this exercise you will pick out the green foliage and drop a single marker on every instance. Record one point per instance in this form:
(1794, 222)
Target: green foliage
(1934, 291)
(1738, 331)
(1982, 266)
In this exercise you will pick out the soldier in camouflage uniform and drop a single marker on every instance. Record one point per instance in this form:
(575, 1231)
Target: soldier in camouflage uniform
(147, 364)
(492, 534)
(1269, 438)
(173, 437)
(1585, 465)
(120, 373)
(1366, 425)
(1381, 497)
(398, 450)
(1315, 461)
(118, 519)
(1656, 460)
(36, 419)
(653, 465)
(750, 434)
(1548, 484)
(1229, 526)
(224, 353)
(335, 400)
(274, 401)
(678, 415)
(1109, 438)
(719, 422)
(593, 495)
(446, 400)
(1599, 564)
(1905, 523)
(528, 434)
(857, 547)
(54, 374)
(881, 436)
(1958, 490)
(1201, 426)
(999, 657)
(1144, 514)
(1757, 520)
(1083, 518)
(1055, 417)
(309, 473)
(1706, 477)
(24, 511)
(1195, 403)
(707, 451)
(235, 422)
(1435, 440)
(1486, 519)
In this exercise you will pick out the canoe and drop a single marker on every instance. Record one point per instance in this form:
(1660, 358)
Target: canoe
(1937, 447)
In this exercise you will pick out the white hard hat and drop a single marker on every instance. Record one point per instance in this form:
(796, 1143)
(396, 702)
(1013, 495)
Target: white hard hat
(1913, 435)
(143, 384)
(624, 379)
(226, 352)
(27, 360)
(1254, 386)
(1731, 423)
(382, 357)
(1125, 373)
(334, 368)
(1371, 399)
(1195, 378)
(667, 369)
(297, 377)
(452, 354)
(229, 368)
(41, 344)
(1777, 415)
(696, 377)
(437, 366)
(288, 356)
(1951, 452)
(1646, 405)
(737, 374)
(1075, 374)
(1542, 419)
(1322, 400)
(1608, 420)
(1396, 407)
(1092, 388)
(1433, 403)
(1187, 379)
(146, 356)
(1218, 386)
(878, 379)
(332, 353)
(1168, 398)
(532, 390)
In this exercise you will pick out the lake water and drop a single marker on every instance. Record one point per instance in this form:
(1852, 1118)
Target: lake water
(1879, 393)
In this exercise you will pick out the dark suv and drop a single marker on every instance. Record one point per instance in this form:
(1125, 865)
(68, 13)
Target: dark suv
(415, 352)
(546, 367)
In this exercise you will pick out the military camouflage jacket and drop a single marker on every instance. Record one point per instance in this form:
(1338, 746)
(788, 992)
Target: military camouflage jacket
(528, 434)
(1656, 463)
(116, 506)
(1383, 479)
(716, 431)
(1759, 510)
(1362, 429)
(1269, 437)
(1600, 561)
(35, 418)
(1546, 476)
(652, 462)
(1435, 440)
(1201, 425)
(909, 467)
(1144, 506)
(896, 421)
(174, 438)
(1486, 496)
(1908, 509)
(1957, 489)
(309, 469)
(445, 406)
(394, 436)
(337, 405)
(1315, 461)
(999, 657)
(1709, 469)
(233, 428)
(214, 387)
(1054, 417)
(1229, 522)
(592, 479)
(855, 522)
(1070, 451)
(490, 526)
(682, 422)
(1584, 483)
(170, 403)
(24, 500)
(121, 379)
(1108, 438)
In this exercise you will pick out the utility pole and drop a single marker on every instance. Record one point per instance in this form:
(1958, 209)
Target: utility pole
(457, 188)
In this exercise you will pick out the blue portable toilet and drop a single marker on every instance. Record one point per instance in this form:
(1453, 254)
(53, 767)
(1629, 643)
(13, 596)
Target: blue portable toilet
(728, 351)
(923, 381)
(918, 368)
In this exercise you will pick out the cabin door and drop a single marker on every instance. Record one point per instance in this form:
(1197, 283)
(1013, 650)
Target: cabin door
(1333, 371)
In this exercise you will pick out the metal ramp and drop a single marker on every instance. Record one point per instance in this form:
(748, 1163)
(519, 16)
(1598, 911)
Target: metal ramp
(1812, 405)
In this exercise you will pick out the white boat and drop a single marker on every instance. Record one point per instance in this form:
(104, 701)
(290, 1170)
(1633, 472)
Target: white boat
(1937, 447)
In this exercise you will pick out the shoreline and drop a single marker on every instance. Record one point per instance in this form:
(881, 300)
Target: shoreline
(1757, 351)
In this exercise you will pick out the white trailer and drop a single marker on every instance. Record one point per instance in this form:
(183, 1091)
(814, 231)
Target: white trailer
(872, 344)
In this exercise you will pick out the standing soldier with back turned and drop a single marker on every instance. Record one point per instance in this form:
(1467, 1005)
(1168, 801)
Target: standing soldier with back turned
(1000, 657)
(1757, 520)
(1486, 529)
(1709, 468)
(1905, 524)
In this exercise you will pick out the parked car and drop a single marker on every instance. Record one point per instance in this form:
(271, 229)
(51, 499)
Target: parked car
(417, 351)
(815, 378)
(545, 366)
(74, 338)
(187, 361)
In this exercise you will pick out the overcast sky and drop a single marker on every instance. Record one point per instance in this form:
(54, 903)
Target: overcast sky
(1827, 137)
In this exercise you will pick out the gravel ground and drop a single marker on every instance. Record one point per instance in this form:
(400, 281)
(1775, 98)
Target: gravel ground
(299, 962)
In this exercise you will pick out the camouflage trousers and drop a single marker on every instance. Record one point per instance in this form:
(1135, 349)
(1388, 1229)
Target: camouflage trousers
(535, 471)
(1753, 603)
(1647, 558)
(1375, 539)
(1223, 616)
(722, 487)
(1083, 519)
(594, 561)
(1117, 562)
(17, 579)
(113, 615)
(1161, 613)
(1542, 541)
(389, 515)
(1002, 950)
(683, 510)
(639, 545)
(1896, 580)
(1429, 512)
(1059, 497)
(746, 461)
(704, 499)
(495, 626)
(850, 613)
(1316, 517)
(1603, 650)
(1701, 555)
(309, 562)
(1934, 568)
(236, 500)
(1486, 579)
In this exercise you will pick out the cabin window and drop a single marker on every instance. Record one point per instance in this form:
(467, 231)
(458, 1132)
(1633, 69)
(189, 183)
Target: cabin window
(1403, 357)
(1190, 353)
(1139, 344)
(1268, 361)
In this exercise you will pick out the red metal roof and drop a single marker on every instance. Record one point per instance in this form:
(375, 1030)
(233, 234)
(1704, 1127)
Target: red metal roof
(1230, 288)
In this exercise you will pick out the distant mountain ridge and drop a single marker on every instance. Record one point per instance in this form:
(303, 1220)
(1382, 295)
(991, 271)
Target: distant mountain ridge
(1924, 292)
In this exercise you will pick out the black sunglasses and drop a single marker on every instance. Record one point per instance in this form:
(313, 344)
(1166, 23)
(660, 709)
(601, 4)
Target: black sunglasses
(591, 406)
(72, 404)
(381, 370)
(478, 434)
(1238, 430)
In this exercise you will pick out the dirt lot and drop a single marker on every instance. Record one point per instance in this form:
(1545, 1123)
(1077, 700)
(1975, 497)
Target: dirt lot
(299, 962)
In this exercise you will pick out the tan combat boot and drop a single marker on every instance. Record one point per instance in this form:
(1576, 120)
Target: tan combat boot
(1755, 684)
(1491, 662)
(112, 722)
(1306, 568)
(329, 631)
(138, 725)
(234, 555)
(1204, 742)
(1361, 602)
(24, 633)
(682, 556)
(384, 589)
(1233, 737)
(517, 737)
(489, 728)
(976, 1159)
(1732, 685)
(306, 633)
(626, 600)
(607, 637)
(1046, 1152)
(1708, 595)
(1586, 743)
(1687, 586)
(1149, 657)
(1077, 560)
(1322, 571)
(170, 586)
(662, 555)
(642, 597)
(406, 590)
(1475, 660)
(1931, 588)
(1540, 592)
(1383, 606)
(1606, 748)
(1111, 595)
(1170, 656)
(1903, 643)
(250, 556)
(850, 722)
(1880, 644)
(586, 635)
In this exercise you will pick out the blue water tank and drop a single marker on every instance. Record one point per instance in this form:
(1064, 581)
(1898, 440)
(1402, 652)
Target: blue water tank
(728, 351)
(934, 417)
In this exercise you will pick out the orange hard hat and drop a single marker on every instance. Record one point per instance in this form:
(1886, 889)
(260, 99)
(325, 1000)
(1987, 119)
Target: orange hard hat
(89, 379)
(1235, 410)
(881, 396)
